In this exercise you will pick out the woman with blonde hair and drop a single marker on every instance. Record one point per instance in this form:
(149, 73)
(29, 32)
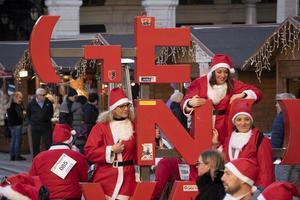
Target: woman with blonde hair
(210, 170)
(111, 146)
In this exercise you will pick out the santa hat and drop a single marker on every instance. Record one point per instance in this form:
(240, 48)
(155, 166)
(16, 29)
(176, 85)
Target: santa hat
(243, 168)
(62, 134)
(117, 97)
(221, 60)
(22, 187)
(279, 191)
(242, 108)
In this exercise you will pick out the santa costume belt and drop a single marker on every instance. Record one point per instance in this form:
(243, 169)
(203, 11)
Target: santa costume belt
(124, 163)
(219, 112)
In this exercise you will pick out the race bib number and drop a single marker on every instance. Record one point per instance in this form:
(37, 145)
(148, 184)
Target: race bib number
(184, 171)
(63, 166)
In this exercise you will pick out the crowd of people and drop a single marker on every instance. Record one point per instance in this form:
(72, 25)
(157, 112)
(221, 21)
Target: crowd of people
(239, 165)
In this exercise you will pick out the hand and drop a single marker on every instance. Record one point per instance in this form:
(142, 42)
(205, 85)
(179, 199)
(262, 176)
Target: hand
(197, 101)
(215, 138)
(236, 96)
(118, 148)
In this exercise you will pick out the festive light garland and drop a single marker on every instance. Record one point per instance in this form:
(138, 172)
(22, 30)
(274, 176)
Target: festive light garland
(78, 70)
(284, 40)
(169, 55)
(166, 56)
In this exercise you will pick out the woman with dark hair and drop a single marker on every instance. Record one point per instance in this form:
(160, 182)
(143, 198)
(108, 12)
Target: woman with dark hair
(210, 170)
(246, 141)
(221, 89)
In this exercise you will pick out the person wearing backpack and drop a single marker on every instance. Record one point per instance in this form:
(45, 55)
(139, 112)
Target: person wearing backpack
(246, 141)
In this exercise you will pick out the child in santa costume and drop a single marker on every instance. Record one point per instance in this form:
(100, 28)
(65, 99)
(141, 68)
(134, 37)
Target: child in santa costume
(247, 142)
(221, 89)
(111, 146)
(60, 168)
(280, 191)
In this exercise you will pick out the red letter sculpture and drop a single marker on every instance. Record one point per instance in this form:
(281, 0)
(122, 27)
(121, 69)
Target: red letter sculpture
(111, 65)
(151, 112)
(291, 110)
(147, 37)
(40, 49)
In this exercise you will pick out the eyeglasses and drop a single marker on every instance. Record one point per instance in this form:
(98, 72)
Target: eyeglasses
(123, 107)
(43, 95)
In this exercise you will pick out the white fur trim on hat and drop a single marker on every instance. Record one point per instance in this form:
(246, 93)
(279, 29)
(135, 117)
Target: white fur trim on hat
(118, 103)
(9, 193)
(68, 141)
(241, 113)
(225, 65)
(237, 173)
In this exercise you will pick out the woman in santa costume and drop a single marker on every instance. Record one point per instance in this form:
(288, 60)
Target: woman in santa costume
(111, 146)
(247, 142)
(221, 88)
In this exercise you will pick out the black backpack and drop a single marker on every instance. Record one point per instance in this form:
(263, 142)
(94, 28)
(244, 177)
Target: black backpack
(259, 140)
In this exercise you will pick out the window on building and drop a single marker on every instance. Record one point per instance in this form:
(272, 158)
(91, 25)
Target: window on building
(193, 2)
(92, 28)
(236, 1)
(93, 2)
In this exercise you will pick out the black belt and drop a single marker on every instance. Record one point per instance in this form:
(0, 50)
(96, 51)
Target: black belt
(124, 163)
(219, 112)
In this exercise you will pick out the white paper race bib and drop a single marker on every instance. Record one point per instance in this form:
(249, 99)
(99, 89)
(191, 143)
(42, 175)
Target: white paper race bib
(184, 171)
(63, 166)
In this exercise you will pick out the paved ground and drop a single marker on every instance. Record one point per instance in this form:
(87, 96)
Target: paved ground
(8, 167)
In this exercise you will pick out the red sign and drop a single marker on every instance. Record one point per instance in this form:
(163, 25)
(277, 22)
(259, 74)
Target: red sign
(147, 38)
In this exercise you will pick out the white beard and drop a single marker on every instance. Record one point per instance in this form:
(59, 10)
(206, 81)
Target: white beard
(216, 92)
(121, 130)
(237, 142)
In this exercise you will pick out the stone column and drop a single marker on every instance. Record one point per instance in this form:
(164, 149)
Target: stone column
(162, 10)
(68, 10)
(250, 11)
(286, 8)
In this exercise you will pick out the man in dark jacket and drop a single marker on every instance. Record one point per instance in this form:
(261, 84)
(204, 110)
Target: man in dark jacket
(15, 122)
(90, 111)
(40, 112)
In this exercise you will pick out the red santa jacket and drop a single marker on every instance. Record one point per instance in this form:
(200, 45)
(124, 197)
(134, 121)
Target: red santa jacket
(199, 87)
(60, 188)
(117, 182)
(263, 157)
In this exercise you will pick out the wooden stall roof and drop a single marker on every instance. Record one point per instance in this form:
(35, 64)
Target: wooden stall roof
(283, 39)
(237, 41)
(11, 52)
